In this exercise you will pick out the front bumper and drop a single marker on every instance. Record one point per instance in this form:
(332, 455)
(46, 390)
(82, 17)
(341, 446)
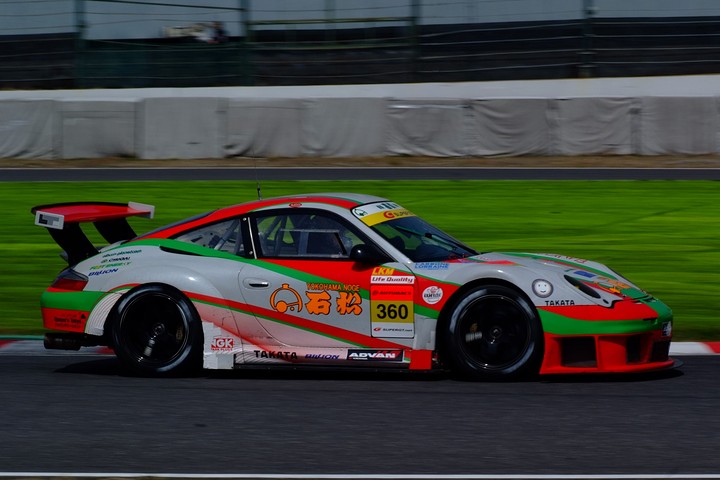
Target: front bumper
(623, 353)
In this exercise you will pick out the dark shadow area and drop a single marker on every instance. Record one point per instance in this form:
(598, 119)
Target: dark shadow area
(593, 47)
(110, 366)
(616, 377)
(100, 366)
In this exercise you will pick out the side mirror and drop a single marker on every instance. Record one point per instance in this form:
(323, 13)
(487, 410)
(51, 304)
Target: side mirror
(368, 254)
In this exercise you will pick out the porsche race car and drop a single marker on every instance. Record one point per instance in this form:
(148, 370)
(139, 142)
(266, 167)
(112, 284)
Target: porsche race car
(336, 279)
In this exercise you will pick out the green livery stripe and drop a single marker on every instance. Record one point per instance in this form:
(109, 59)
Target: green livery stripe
(185, 247)
(302, 276)
(84, 301)
(207, 301)
(264, 264)
(433, 279)
(664, 312)
(426, 312)
(560, 325)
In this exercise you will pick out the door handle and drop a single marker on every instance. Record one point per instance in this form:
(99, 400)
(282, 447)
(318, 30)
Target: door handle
(255, 283)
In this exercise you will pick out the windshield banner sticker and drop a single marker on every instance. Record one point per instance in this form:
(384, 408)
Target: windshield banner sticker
(375, 213)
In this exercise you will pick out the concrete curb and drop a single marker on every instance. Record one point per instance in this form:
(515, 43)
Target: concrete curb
(33, 345)
(694, 348)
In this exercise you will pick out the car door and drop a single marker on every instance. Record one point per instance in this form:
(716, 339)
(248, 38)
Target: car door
(307, 292)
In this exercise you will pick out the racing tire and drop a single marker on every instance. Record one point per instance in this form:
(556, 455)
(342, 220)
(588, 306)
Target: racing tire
(156, 331)
(493, 333)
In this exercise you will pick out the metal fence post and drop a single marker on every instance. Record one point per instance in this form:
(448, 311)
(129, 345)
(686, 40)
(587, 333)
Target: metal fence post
(414, 39)
(246, 43)
(587, 60)
(79, 42)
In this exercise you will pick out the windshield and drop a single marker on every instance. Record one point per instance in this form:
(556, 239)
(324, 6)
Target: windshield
(417, 239)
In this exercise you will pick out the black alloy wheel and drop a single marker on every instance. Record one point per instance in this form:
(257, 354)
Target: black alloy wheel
(156, 331)
(494, 332)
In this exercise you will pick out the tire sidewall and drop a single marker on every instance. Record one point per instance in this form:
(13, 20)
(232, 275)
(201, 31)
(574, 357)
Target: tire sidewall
(526, 365)
(191, 348)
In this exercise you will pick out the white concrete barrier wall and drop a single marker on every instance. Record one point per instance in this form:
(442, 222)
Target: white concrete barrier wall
(89, 129)
(153, 125)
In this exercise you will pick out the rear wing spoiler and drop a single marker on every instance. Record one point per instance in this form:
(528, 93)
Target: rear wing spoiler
(110, 219)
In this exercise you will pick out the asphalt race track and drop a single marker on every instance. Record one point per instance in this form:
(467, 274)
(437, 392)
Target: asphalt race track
(64, 413)
(80, 413)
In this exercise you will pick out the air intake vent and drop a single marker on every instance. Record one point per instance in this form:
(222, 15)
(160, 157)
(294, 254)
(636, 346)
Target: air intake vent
(578, 352)
(582, 287)
(178, 252)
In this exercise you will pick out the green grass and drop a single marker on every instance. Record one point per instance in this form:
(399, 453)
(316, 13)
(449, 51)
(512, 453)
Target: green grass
(663, 235)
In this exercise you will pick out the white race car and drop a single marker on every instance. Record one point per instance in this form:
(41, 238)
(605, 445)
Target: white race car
(337, 279)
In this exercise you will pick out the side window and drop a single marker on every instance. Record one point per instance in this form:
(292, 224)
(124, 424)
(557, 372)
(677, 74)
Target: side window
(298, 235)
(224, 236)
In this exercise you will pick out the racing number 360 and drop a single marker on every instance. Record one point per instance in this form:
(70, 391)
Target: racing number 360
(391, 311)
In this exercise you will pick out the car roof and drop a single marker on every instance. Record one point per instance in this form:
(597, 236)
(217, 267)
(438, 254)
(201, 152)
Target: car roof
(341, 199)
(338, 199)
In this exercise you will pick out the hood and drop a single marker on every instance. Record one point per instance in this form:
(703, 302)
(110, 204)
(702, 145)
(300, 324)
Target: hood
(580, 272)
(596, 282)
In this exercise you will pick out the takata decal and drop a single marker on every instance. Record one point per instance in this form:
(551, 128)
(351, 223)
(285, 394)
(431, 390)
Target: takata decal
(376, 355)
(375, 213)
(560, 303)
(391, 311)
(262, 355)
(347, 301)
(288, 356)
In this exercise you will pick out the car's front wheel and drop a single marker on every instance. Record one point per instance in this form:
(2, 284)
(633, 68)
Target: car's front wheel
(493, 332)
(156, 331)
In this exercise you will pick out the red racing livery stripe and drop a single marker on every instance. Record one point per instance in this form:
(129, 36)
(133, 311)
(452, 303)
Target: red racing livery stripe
(310, 325)
(235, 210)
(337, 201)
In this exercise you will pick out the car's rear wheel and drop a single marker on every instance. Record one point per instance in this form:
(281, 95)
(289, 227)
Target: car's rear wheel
(156, 331)
(493, 332)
